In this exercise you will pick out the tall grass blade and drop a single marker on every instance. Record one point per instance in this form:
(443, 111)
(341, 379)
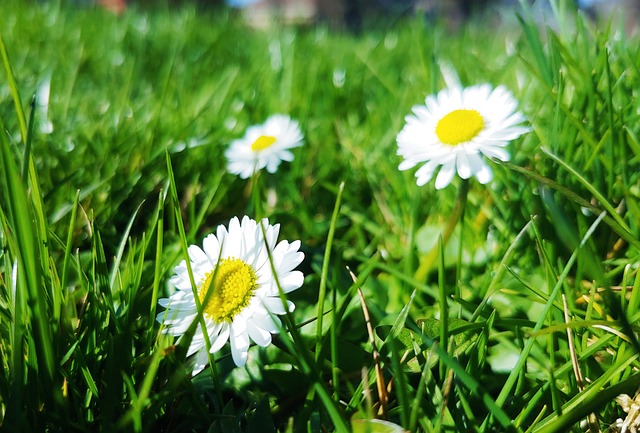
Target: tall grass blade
(13, 87)
(326, 260)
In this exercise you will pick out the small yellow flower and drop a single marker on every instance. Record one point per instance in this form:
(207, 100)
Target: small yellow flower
(455, 128)
(236, 287)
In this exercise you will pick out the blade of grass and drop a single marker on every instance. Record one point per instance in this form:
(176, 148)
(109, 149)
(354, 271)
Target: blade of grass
(13, 88)
(329, 405)
(401, 384)
(609, 104)
(444, 305)
(157, 269)
(322, 291)
(121, 247)
(416, 408)
(68, 244)
(27, 148)
(383, 397)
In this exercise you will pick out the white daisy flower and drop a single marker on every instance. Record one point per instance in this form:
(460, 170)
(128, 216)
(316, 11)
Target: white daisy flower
(263, 146)
(455, 128)
(236, 288)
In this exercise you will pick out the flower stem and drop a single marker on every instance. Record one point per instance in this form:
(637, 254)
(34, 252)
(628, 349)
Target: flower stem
(428, 260)
(254, 189)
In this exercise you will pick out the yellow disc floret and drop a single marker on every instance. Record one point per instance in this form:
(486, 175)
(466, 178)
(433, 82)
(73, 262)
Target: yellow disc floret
(262, 143)
(459, 126)
(227, 289)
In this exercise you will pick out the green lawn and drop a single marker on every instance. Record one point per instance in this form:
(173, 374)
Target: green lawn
(511, 306)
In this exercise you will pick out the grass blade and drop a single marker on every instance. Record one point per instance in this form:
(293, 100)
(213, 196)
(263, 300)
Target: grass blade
(322, 291)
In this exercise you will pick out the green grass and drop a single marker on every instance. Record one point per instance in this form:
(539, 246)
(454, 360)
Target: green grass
(465, 299)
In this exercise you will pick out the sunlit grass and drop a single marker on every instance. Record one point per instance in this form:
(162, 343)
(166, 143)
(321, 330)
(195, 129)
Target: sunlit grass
(465, 293)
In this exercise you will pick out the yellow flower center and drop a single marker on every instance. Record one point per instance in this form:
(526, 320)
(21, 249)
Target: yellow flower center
(226, 295)
(262, 143)
(459, 126)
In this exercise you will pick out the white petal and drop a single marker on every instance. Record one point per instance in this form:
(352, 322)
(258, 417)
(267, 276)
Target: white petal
(464, 166)
(406, 164)
(286, 156)
(260, 336)
(178, 298)
(221, 339)
(239, 323)
(198, 272)
(267, 322)
(507, 134)
(239, 346)
(445, 176)
(485, 174)
(425, 173)
(232, 244)
(496, 152)
(291, 281)
(179, 327)
(272, 164)
(211, 247)
(201, 361)
(287, 257)
(197, 256)
(271, 233)
(274, 305)
(197, 343)
(476, 163)
(222, 234)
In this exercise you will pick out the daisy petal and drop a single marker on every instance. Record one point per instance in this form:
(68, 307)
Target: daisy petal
(445, 176)
(476, 164)
(259, 336)
(267, 322)
(274, 305)
(496, 152)
(239, 347)
(201, 361)
(485, 174)
(221, 339)
(464, 166)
